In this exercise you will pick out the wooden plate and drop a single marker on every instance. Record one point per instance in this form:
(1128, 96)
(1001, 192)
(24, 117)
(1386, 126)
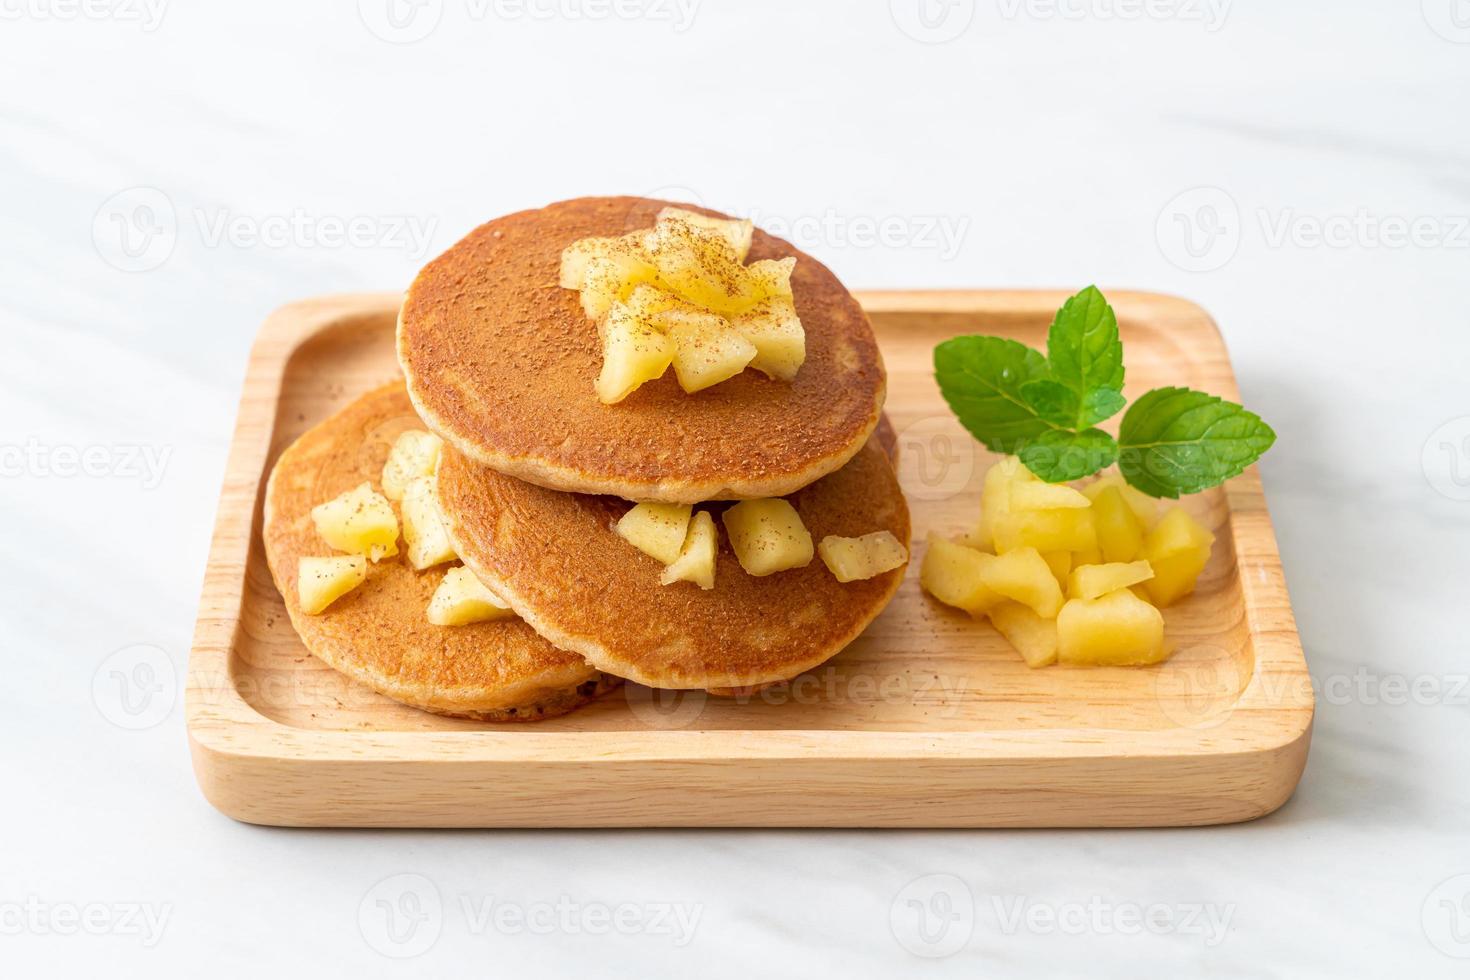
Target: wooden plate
(928, 720)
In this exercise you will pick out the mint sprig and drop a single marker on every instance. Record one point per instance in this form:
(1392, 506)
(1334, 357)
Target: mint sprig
(1045, 410)
(1176, 441)
(1085, 358)
(982, 378)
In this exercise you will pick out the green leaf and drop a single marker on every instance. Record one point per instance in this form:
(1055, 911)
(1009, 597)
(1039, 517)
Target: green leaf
(1104, 403)
(981, 378)
(1052, 400)
(1085, 355)
(1057, 456)
(1176, 441)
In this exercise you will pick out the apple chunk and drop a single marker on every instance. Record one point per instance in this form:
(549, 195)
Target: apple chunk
(423, 526)
(1118, 629)
(322, 581)
(707, 350)
(777, 335)
(955, 575)
(657, 530)
(632, 353)
(611, 276)
(1034, 638)
(360, 522)
(462, 599)
(768, 536)
(1091, 581)
(696, 561)
(854, 559)
(415, 453)
(1178, 548)
(738, 233)
(1024, 576)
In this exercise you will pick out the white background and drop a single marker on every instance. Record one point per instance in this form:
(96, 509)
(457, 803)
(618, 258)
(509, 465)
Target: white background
(1053, 142)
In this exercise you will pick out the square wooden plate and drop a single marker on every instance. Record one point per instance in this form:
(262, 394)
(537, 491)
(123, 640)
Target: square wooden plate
(928, 720)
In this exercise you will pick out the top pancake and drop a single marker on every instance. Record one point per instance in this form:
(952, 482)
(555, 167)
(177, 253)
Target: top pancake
(378, 633)
(557, 560)
(501, 361)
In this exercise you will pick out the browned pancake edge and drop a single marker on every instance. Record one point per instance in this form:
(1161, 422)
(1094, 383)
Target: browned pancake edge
(501, 361)
(378, 633)
(557, 560)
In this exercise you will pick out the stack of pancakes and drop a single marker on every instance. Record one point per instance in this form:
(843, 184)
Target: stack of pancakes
(499, 361)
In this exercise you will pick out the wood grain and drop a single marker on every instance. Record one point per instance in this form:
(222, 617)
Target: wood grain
(928, 720)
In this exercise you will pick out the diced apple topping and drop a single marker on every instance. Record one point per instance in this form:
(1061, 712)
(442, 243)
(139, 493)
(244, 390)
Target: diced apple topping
(1178, 549)
(1035, 495)
(1105, 543)
(1119, 531)
(1092, 581)
(1034, 638)
(612, 275)
(1144, 507)
(772, 277)
(737, 233)
(707, 350)
(1061, 522)
(322, 581)
(414, 454)
(696, 560)
(775, 331)
(657, 530)
(423, 526)
(684, 280)
(577, 256)
(1060, 563)
(632, 353)
(1117, 629)
(360, 522)
(955, 575)
(854, 559)
(768, 536)
(1023, 575)
(462, 599)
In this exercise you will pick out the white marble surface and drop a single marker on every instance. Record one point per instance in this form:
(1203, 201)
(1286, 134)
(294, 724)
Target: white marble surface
(1047, 140)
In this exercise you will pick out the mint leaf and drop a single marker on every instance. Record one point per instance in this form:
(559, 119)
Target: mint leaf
(1176, 441)
(981, 379)
(1085, 356)
(1057, 456)
(1052, 400)
(1104, 403)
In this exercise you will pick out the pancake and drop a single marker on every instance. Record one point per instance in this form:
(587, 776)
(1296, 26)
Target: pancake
(500, 362)
(556, 559)
(378, 634)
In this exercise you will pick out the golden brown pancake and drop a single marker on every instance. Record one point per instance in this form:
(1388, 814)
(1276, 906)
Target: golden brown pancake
(556, 559)
(378, 634)
(501, 361)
